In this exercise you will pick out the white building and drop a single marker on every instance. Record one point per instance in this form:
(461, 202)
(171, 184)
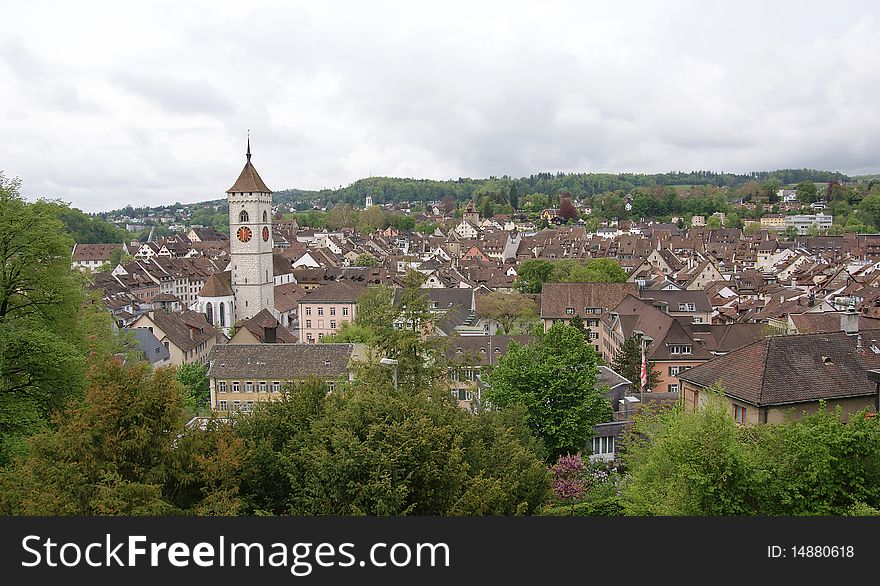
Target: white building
(803, 222)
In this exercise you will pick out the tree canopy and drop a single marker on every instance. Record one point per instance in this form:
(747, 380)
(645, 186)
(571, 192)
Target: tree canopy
(703, 463)
(533, 273)
(554, 379)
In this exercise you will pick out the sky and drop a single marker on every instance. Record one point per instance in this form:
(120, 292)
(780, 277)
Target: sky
(106, 104)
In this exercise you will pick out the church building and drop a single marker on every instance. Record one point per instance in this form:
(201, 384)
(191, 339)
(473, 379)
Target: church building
(247, 287)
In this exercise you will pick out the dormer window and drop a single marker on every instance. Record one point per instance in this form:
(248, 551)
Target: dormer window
(569, 310)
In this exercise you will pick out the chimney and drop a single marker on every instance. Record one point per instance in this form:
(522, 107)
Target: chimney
(849, 321)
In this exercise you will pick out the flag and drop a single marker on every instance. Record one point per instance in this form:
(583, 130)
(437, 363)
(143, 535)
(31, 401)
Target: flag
(644, 373)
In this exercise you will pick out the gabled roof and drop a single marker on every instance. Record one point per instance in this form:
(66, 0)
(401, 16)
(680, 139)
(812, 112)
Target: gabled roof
(556, 298)
(258, 324)
(779, 370)
(279, 361)
(185, 330)
(637, 315)
(218, 285)
(334, 292)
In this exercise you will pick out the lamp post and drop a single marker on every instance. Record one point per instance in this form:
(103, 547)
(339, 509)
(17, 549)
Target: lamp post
(390, 362)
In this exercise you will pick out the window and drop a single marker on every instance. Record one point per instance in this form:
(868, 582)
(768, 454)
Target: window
(320, 335)
(236, 387)
(331, 385)
(332, 324)
(221, 386)
(603, 445)
(249, 386)
(320, 311)
(332, 311)
(223, 405)
(739, 414)
(308, 323)
(673, 388)
(308, 311)
(344, 311)
(276, 386)
(687, 307)
(594, 335)
(679, 348)
(243, 217)
(236, 405)
(262, 386)
(265, 217)
(592, 323)
(248, 406)
(673, 370)
(569, 311)
(309, 336)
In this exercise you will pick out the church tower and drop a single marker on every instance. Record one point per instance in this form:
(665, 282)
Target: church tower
(250, 243)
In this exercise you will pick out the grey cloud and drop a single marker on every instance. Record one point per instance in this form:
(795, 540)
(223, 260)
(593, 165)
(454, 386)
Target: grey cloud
(179, 96)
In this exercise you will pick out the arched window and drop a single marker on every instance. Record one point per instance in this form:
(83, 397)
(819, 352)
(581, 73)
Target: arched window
(209, 313)
(243, 217)
(265, 217)
(222, 315)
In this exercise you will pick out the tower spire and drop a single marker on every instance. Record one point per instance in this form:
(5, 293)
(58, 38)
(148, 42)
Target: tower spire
(249, 145)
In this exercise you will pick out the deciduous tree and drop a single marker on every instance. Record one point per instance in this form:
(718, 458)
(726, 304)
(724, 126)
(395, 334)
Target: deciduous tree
(555, 380)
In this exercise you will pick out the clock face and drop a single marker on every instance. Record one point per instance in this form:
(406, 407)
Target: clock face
(265, 234)
(244, 234)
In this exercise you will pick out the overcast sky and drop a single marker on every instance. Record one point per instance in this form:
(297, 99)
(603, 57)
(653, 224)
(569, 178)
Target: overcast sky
(108, 104)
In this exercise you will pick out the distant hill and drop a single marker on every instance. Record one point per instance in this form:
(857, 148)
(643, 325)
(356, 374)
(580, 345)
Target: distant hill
(396, 189)
(392, 189)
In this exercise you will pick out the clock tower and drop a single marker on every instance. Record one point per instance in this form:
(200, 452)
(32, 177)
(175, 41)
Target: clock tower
(250, 243)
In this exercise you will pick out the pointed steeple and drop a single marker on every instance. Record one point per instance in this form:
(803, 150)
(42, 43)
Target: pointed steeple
(249, 180)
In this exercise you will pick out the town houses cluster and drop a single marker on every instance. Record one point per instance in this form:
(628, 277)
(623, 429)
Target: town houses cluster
(781, 323)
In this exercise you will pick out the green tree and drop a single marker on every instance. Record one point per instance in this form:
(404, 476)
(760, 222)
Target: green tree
(870, 206)
(806, 192)
(554, 379)
(513, 198)
(732, 220)
(48, 323)
(366, 260)
(532, 274)
(713, 223)
(507, 309)
(790, 233)
(371, 219)
(604, 270)
(371, 449)
(770, 189)
(194, 379)
(340, 216)
(627, 362)
(688, 463)
(124, 450)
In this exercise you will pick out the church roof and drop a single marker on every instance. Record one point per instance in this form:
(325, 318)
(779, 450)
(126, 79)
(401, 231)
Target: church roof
(218, 285)
(249, 180)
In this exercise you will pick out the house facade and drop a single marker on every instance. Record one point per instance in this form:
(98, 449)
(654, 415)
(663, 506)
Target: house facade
(322, 311)
(243, 374)
(782, 377)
